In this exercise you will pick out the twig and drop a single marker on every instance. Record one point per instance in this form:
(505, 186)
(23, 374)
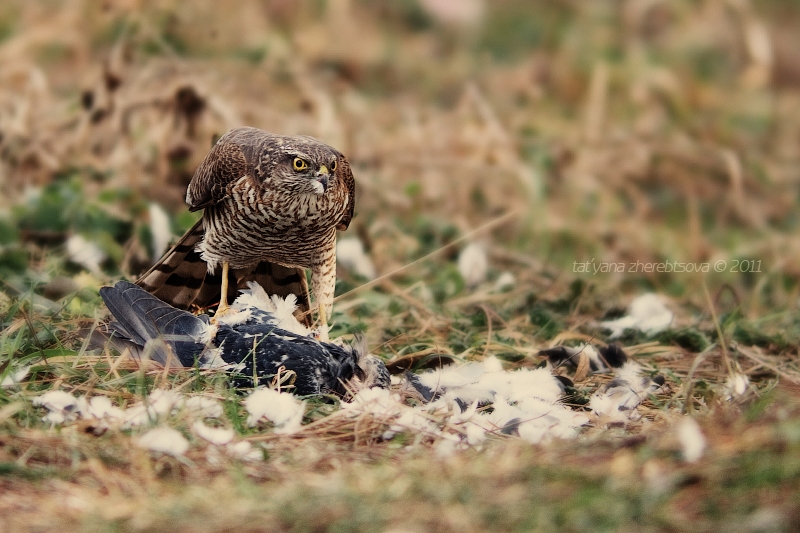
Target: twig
(750, 355)
(687, 404)
(722, 342)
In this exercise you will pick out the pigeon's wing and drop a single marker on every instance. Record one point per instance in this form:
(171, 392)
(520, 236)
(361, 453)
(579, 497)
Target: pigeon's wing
(154, 324)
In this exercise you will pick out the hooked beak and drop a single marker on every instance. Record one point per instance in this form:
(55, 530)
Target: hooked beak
(322, 176)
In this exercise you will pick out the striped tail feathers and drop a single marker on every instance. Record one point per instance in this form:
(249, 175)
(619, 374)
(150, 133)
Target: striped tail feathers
(178, 277)
(274, 278)
(154, 327)
(181, 278)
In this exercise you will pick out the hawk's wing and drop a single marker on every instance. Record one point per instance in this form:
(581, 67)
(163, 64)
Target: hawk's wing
(223, 165)
(181, 278)
(345, 175)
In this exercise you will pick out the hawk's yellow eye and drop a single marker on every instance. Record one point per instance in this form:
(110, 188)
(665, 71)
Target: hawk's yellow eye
(299, 164)
(333, 166)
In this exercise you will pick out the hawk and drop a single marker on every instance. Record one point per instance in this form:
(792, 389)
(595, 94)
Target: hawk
(272, 205)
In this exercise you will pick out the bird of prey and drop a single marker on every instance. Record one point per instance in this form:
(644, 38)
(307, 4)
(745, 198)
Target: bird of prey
(272, 205)
(251, 342)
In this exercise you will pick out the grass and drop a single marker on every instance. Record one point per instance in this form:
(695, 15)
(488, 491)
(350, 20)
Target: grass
(602, 484)
(616, 133)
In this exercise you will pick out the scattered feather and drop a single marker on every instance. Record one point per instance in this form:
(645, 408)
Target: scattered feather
(85, 253)
(351, 255)
(736, 385)
(165, 440)
(203, 406)
(473, 264)
(63, 406)
(617, 401)
(505, 282)
(101, 409)
(381, 402)
(692, 441)
(524, 402)
(387, 407)
(244, 450)
(647, 313)
(15, 378)
(159, 403)
(280, 408)
(570, 357)
(482, 381)
(160, 230)
(218, 436)
(533, 418)
(600, 361)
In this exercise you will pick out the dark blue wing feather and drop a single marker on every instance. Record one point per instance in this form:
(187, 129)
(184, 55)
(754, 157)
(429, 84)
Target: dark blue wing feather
(147, 321)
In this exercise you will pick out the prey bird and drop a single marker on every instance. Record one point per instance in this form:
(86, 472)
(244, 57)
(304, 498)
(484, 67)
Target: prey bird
(272, 205)
(250, 343)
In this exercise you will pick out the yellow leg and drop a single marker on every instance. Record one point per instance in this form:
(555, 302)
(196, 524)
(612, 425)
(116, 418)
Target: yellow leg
(323, 324)
(223, 298)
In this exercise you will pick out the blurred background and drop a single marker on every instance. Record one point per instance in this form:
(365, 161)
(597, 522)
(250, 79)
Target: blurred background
(618, 131)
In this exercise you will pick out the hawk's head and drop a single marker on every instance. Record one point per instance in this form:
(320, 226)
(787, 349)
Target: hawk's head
(307, 165)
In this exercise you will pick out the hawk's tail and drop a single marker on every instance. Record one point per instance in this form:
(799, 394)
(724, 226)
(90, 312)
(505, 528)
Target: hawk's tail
(181, 278)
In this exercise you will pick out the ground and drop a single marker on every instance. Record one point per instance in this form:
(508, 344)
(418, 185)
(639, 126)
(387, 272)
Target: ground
(595, 151)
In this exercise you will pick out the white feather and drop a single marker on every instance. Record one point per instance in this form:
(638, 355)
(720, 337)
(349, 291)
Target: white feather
(281, 308)
(238, 317)
(351, 255)
(617, 402)
(528, 397)
(736, 385)
(281, 408)
(101, 409)
(647, 313)
(160, 403)
(473, 264)
(218, 436)
(203, 406)
(244, 450)
(160, 230)
(693, 443)
(63, 406)
(164, 440)
(85, 253)
(253, 296)
(505, 282)
(14, 378)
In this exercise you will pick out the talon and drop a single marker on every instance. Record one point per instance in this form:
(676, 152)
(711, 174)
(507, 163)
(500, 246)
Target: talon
(227, 311)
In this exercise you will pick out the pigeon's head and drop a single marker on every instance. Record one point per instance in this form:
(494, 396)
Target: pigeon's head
(370, 370)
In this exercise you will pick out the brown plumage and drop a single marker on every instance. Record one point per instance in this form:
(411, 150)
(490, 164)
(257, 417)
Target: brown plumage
(272, 206)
